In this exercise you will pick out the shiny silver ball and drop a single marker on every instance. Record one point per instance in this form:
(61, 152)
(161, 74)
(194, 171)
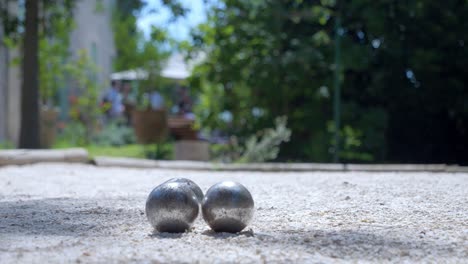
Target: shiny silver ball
(192, 185)
(228, 207)
(172, 207)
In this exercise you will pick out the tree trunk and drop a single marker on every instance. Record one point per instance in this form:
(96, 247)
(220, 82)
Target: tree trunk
(29, 137)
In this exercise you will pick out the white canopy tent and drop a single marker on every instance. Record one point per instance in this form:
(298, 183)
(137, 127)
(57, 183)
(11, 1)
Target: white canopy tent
(175, 68)
(131, 75)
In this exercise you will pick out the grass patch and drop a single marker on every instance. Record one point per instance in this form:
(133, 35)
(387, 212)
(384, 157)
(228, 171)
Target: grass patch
(164, 151)
(6, 145)
(128, 151)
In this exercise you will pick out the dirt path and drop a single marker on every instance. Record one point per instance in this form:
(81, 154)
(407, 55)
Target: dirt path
(80, 213)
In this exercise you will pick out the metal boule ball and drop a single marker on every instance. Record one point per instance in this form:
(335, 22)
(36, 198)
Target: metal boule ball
(228, 207)
(172, 207)
(195, 188)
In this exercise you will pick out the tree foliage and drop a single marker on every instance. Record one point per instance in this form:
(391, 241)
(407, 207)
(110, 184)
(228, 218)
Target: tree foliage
(268, 59)
(54, 52)
(404, 90)
(126, 34)
(410, 85)
(137, 51)
(134, 50)
(84, 110)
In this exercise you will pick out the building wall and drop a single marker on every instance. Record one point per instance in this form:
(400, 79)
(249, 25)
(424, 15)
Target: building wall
(94, 33)
(10, 91)
(10, 96)
(3, 88)
(14, 99)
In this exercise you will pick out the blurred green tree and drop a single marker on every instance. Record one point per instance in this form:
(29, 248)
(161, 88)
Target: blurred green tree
(267, 59)
(404, 83)
(133, 49)
(402, 72)
(126, 34)
(137, 51)
(38, 23)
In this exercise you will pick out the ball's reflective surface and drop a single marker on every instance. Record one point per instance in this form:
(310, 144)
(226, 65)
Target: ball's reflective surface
(228, 207)
(195, 188)
(172, 207)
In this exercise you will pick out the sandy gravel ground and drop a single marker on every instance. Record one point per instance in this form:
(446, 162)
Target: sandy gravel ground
(55, 213)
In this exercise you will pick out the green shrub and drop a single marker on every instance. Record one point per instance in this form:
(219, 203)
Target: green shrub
(6, 145)
(72, 135)
(265, 146)
(226, 153)
(163, 151)
(115, 134)
(261, 147)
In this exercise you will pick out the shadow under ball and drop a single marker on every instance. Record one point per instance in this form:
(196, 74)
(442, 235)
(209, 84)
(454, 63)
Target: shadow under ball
(172, 207)
(228, 207)
(195, 188)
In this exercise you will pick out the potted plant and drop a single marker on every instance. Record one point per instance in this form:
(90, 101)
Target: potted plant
(51, 80)
(85, 110)
(53, 55)
(149, 116)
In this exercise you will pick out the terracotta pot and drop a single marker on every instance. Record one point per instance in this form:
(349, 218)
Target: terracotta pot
(182, 128)
(150, 126)
(48, 126)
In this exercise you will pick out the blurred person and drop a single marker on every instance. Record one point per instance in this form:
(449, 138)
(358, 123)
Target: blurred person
(156, 100)
(184, 104)
(128, 101)
(113, 97)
